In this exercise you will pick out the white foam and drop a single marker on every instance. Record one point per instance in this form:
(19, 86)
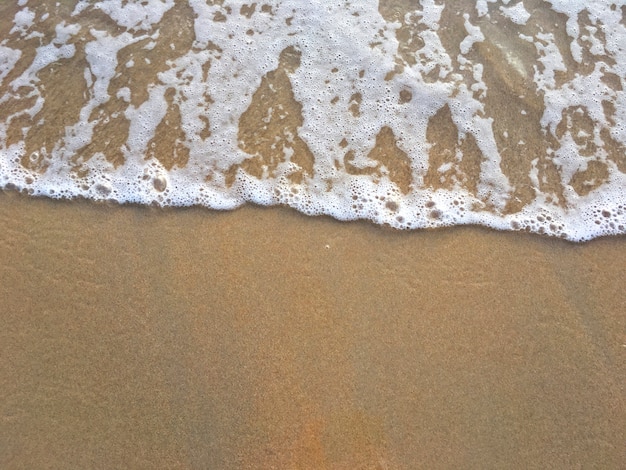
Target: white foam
(129, 14)
(474, 35)
(23, 21)
(346, 51)
(8, 59)
(517, 13)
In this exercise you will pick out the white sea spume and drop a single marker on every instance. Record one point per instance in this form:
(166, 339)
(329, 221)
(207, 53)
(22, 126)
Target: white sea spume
(346, 49)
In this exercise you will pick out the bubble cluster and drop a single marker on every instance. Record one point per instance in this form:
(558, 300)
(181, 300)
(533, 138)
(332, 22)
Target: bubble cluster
(358, 110)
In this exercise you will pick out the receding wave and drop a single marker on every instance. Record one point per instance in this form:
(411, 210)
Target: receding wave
(509, 114)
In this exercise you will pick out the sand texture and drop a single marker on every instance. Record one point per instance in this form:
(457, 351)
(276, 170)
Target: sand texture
(184, 338)
(260, 338)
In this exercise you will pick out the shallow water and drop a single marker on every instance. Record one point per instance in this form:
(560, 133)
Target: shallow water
(413, 114)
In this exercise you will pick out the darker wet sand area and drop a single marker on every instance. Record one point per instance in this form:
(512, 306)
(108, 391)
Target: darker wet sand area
(260, 338)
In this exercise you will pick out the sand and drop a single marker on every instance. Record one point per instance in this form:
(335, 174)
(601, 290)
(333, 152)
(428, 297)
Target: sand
(260, 338)
(146, 338)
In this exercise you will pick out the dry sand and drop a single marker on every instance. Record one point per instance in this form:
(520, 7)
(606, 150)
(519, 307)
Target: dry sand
(260, 338)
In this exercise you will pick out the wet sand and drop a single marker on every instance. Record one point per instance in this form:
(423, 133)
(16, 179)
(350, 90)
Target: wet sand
(260, 338)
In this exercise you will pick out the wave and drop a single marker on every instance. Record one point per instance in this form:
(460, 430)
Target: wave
(507, 114)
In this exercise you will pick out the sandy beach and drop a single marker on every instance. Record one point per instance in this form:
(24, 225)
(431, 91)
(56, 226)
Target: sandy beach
(259, 338)
(144, 337)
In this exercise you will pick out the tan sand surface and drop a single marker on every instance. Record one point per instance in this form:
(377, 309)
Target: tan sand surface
(260, 338)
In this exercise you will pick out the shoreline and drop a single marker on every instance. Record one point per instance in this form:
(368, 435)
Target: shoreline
(165, 209)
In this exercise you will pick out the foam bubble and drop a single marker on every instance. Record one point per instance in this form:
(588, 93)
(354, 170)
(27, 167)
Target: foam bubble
(517, 13)
(366, 110)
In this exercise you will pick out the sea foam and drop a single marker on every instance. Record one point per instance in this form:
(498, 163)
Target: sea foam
(410, 114)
